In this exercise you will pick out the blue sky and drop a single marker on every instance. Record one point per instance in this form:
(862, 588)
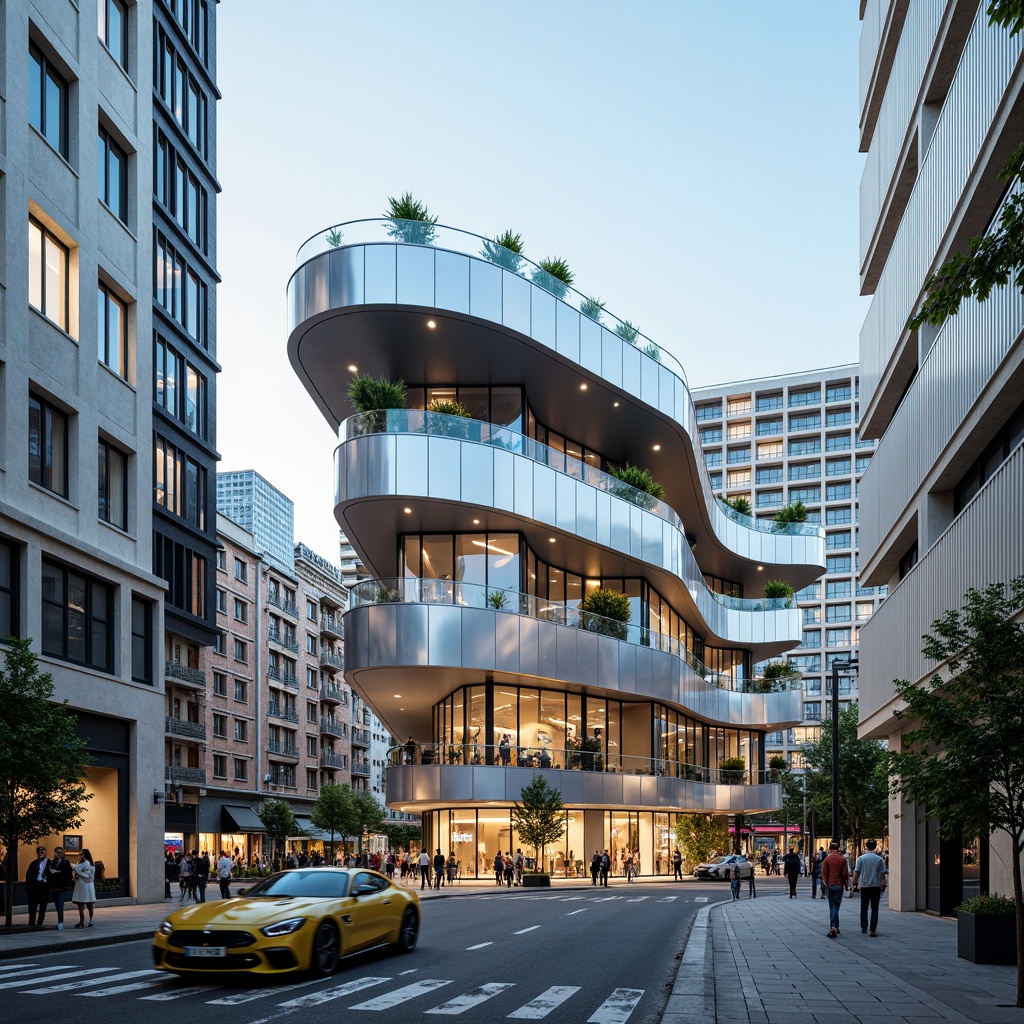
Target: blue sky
(695, 163)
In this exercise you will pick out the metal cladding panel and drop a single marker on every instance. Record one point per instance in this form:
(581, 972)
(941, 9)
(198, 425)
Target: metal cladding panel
(411, 465)
(631, 789)
(649, 790)
(506, 642)
(489, 783)
(377, 473)
(630, 675)
(542, 316)
(478, 474)
(665, 672)
(485, 291)
(478, 638)
(567, 328)
(654, 532)
(426, 786)
(317, 298)
(411, 647)
(383, 638)
(570, 785)
(566, 646)
(608, 662)
(381, 279)
(547, 650)
(415, 275)
(346, 276)
(529, 661)
(516, 303)
(443, 464)
(586, 668)
(593, 789)
(451, 281)
(356, 642)
(456, 783)
(523, 482)
(444, 638)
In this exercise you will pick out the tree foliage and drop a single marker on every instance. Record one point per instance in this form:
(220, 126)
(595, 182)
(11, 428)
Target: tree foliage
(701, 836)
(963, 760)
(335, 812)
(410, 220)
(796, 512)
(739, 504)
(402, 833)
(994, 259)
(539, 819)
(279, 820)
(42, 762)
(863, 779)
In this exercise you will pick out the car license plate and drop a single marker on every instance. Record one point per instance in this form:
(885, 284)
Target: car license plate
(205, 951)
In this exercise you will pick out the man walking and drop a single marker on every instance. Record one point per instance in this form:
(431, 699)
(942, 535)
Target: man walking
(835, 876)
(791, 869)
(871, 877)
(424, 863)
(60, 882)
(37, 887)
(595, 867)
(816, 872)
(224, 866)
(438, 868)
(606, 863)
(677, 866)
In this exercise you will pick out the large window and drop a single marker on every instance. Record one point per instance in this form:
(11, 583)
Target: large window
(48, 101)
(113, 29)
(180, 91)
(76, 617)
(48, 289)
(179, 290)
(8, 589)
(142, 641)
(112, 484)
(112, 171)
(47, 445)
(178, 188)
(179, 483)
(112, 331)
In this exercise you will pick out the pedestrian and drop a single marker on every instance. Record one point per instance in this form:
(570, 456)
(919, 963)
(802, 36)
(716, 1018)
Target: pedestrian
(37, 887)
(734, 885)
(595, 867)
(224, 875)
(60, 882)
(84, 894)
(520, 864)
(505, 750)
(451, 867)
(773, 866)
(499, 868)
(791, 866)
(201, 871)
(835, 876)
(509, 869)
(871, 877)
(816, 873)
(410, 751)
(424, 864)
(606, 864)
(438, 868)
(627, 866)
(751, 887)
(677, 866)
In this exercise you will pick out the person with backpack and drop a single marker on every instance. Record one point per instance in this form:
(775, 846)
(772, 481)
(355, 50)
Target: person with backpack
(677, 866)
(816, 863)
(185, 882)
(509, 868)
(224, 866)
(606, 864)
(438, 868)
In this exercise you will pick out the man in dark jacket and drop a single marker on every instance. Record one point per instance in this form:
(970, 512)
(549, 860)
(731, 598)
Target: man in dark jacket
(201, 874)
(438, 868)
(595, 867)
(37, 888)
(61, 878)
(835, 876)
(791, 869)
(606, 864)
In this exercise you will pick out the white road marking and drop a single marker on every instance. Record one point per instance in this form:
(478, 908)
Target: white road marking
(412, 970)
(637, 899)
(580, 911)
(247, 997)
(700, 899)
(617, 1007)
(401, 995)
(547, 1001)
(178, 993)
(15, 967)
(25, 982)
(667, 899)
(132, 987)
(523, 931)
(474, 997)
(90, 982)
(325, 996)
(479, 945)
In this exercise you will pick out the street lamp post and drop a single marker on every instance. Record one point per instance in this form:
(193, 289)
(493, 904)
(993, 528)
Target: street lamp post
(846, 665)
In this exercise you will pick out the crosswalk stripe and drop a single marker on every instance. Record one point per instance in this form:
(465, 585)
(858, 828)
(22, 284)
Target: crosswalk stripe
(401, 995)
(71, 986)
(178, 993)
(523, 931)
(547, 1001)
(247, 997)
(667, 899)
(580, 911)
(474, 997)
(326, 995)
(617, 1007)
(637, 899)
(134, 986)
(25, 982)
(15, 967)
(479, 945)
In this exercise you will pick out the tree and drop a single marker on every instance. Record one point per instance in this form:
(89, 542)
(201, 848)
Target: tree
(279, 820)
(539, 819)
(401, 833)
(998, 257)
(42, 762)
(335, 811)
(701, 836)
(792, 513)
(863, 779)
(739, 504)
(963, 762)
(369, 813)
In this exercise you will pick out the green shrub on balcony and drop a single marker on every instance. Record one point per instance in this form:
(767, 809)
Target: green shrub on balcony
(504, 250)
(410, 220)
(642, 489)
(733, 769)
(606, 611)
(627, 332)
(370, 394)
(553, 275)
(738, 504)
(449, 414)
(593, 308)
(796, 512)
(778, 589)
(334, 237)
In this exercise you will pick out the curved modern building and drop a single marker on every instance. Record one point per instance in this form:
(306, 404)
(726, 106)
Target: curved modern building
(484, 532)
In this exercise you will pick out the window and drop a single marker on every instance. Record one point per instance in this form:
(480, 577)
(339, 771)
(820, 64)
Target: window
(771, 450)
(220, 766)
(310, 610)
(48, 289)
(709, 412)
(77, 617)
(837, 637)
(241, 730)
(769, 475)
(805, 471)
(220, 644)
(113, 29)
(812, 710)
(837, 516)
(812, 686)
(808, 495)
(862, 463)
(739, 478)
(311, 746)
(837, 443)
(738, 455)
(312, 682)
(769, 499)
(142, 641)
(838, 492)
(841, 418)
(241, 653)
(180, 388)
(220, 684)
(767, 402)
(241, 772)
(837, 467)
(241, 689)
(180, 92)
(310, 644)
(811, 638)
(838, 393)
(179, 189)
(9, 575)
(220, 725)
(179, 483)
(837, 613)
(311, 711)
(838, 540)
(837, 588)
(767, 427)
(838, 564)
(715, 479)
(739, 406)
(713, 458)
(809, 447)
(112, 484)
(739, 430)
(112, 180)
(222, 601)
(112, 331)
(812, 397)
(711, 435)
(811, 615)
(222, 559)
(179, 291)
(811, 421)
(48, 101)
(864, 610)
(241, 570)
(47, 445)
(241, 611)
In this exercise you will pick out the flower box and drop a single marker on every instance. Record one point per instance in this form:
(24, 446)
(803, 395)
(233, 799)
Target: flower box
(986, 938)
(536, 881)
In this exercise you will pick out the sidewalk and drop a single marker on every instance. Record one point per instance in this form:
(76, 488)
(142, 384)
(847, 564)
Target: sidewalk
(768, 961)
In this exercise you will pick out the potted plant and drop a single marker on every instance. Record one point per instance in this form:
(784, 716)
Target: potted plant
(770, 676)
(410, 220)
(627, 331)
(334, 237)
(368, 393)
(986, 930)
(593, 308)
(448, 415)
(642, 489)
(553, 275)
(384, 595)
(504, 250)
(777, 766)
(796, 512)
(497, 599)
(653, 351)
(606, 611)
(733, 770)
(737, 504)
(779, 589)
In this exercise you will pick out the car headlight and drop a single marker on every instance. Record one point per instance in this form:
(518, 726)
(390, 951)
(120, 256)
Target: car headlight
(166, 928)
(293, 924)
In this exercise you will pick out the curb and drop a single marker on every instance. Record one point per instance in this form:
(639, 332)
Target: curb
(83, 943)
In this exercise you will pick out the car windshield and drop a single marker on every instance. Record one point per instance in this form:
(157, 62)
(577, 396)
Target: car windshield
(721, 860)
(318, 884)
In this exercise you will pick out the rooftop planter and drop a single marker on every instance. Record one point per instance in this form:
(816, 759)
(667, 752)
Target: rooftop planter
(410, 220)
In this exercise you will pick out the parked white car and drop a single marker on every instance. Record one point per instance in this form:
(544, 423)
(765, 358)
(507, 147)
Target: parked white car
(728, 867)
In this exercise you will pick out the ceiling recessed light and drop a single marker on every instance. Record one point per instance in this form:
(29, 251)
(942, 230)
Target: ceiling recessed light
(615, 405)
(398, 696)
(407, 510)
(583, 387)
(476, 522)
(353, 369)
(760, 568)
(551, 540)
(657, 447)
(431, 324)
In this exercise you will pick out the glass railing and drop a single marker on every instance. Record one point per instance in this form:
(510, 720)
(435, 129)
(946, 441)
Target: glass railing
(586, 756)
(416, 590)
(769, 525)
(410, 232)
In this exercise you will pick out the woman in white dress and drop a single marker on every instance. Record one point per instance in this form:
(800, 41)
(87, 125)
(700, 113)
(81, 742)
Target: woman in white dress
(84, 894)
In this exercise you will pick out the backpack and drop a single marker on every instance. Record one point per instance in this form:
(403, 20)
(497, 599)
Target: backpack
(184, 870)
(605, 862)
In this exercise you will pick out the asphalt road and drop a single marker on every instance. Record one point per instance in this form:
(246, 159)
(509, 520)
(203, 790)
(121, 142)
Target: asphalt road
(604, 956)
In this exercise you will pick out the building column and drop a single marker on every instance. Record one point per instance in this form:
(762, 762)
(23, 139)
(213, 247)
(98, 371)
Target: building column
(902, 851)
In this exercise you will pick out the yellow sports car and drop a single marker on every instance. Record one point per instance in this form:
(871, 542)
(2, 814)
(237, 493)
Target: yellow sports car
(302, 920)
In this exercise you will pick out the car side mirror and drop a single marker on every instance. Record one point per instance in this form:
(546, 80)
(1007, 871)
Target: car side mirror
(365, 890)
(241, 892)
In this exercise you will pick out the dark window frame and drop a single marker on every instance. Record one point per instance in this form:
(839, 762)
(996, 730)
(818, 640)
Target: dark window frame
(119, 49)
(104, 471)
(44, 70)
(97, 632)
(108, 149)
(47, 238)
(142, 641)
(105, 297)
(41, 469)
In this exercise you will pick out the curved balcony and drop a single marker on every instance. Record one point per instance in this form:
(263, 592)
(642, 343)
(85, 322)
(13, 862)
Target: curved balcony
(421, 787)
(463, 644)
(447, 470)
(371, 267)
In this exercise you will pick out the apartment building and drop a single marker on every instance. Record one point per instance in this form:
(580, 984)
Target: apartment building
(779, 440)
(255, 503)
(483, 534)
(942, 102)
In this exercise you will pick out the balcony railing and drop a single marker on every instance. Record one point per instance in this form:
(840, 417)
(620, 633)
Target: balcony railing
(328, 759)
(577, 758)
(360, 767)
(279, 749)
(285, 714)
(185, 776)
(275, 636)
(330, 625)
(330, 660)
(179, 727)
(184, 674)
(331, 691)
(413, 590)
(286, 605)
(289, 679)
(331, 726)
(361, 736)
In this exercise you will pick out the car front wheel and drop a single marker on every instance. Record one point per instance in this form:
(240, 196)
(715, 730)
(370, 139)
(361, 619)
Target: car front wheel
(409, 931)
(326, 949)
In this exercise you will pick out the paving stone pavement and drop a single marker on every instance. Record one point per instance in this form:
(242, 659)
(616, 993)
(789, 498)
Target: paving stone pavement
(769, 961)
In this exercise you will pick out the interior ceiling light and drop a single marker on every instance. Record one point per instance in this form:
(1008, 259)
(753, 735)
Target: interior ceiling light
(431, 324)
(353, 369)
(760, 568)
(615, 405)
(476, 522)
(657, 447)
(583, 387)
(551, 540)
(407, 510)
